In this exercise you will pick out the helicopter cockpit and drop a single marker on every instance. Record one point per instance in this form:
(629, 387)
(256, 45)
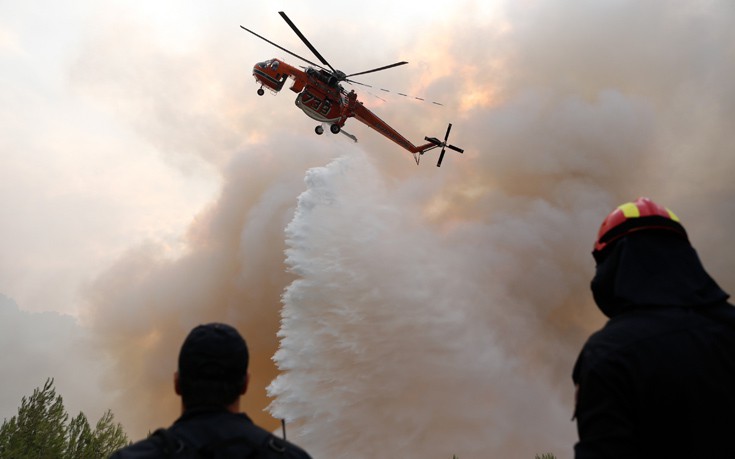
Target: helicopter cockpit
(268, 75)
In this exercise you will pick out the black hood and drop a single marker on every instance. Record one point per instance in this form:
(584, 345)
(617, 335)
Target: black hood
(652, 268)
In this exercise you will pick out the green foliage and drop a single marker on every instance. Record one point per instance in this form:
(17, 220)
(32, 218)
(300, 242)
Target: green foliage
(40, 430)
(78, 437)
(108, 436)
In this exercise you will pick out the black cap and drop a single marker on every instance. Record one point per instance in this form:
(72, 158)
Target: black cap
(213, 352)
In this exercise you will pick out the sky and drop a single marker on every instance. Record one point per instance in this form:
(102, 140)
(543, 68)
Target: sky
(145, 188)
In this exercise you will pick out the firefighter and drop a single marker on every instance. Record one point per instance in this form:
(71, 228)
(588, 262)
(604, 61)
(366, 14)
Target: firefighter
(212, 377)
(658, 380)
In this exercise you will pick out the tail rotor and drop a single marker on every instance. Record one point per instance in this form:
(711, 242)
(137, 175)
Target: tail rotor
(443, 145)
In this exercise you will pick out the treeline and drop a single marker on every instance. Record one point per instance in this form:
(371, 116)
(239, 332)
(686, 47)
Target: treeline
(43, 429)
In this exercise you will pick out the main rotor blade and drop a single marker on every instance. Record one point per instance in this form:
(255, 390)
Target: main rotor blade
(282, 48)
(378, 69)
(306, 42)
(357, 82)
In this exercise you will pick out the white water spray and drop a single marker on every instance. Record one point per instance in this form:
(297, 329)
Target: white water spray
(389, 346)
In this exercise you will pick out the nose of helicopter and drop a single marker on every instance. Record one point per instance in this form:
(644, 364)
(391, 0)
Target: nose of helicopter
(267, 74)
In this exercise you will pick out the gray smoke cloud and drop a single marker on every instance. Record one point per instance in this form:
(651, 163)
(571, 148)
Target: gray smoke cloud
(427, 312)
(143, 307)
(41, 345)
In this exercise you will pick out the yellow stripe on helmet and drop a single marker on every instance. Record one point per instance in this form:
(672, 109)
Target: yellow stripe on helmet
(673, 216)
(630, 210)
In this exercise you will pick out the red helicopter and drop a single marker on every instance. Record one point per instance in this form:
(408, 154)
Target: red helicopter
(322, 97)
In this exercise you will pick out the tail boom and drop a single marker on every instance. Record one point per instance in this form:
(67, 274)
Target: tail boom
(372, 120)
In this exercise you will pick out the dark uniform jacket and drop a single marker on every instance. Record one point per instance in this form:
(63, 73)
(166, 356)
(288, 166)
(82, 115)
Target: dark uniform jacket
(658, 380)
(658, 383)
(214, 433)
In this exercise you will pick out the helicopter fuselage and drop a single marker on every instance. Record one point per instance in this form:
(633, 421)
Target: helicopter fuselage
(320, 96)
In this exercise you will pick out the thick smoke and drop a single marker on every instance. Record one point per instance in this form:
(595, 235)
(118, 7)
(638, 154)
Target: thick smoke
(143, 307)
(432, 312)
(41, 345)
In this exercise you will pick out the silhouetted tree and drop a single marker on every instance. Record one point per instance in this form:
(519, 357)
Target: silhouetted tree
(40, 430)
(107, 436)
(79, 438)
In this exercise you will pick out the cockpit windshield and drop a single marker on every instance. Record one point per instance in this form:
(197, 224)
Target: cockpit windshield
(272, 64)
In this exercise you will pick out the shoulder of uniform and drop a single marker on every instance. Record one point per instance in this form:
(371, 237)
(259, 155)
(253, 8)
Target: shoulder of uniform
(281, 447)
(293, 451)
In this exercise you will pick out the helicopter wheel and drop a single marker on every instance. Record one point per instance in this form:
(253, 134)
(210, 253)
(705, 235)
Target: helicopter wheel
(334, 128)
(319, 130)
(261, 91)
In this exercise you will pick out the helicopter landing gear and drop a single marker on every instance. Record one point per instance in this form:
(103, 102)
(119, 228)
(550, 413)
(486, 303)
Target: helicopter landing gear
(333, 128)
(261, 91)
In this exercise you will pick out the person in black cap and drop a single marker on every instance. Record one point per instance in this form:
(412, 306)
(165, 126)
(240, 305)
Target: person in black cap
(211, 378)
(658, 380)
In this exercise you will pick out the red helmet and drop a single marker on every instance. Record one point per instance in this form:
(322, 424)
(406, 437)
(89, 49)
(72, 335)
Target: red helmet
(641, 214)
